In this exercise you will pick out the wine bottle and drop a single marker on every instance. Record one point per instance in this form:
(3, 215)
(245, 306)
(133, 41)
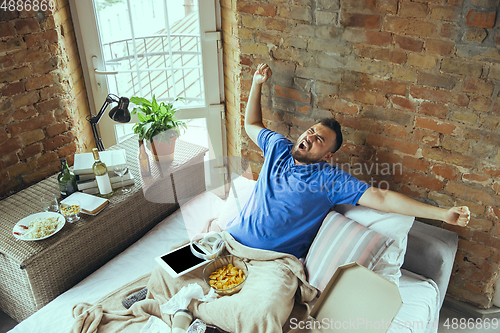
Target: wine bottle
(66, 180)
(143, 160)
(101, 176)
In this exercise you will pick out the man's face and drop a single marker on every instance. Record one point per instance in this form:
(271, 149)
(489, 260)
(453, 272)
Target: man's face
(314, 145)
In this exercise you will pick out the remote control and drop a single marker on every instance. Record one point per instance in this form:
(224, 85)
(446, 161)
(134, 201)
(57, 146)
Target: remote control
(138, 296)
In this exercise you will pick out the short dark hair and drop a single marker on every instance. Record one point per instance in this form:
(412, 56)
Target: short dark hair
(334, 126)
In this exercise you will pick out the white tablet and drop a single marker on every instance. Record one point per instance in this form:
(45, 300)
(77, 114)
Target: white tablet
(180, 261)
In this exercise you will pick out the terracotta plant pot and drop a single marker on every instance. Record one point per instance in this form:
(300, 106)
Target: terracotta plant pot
(163, 151)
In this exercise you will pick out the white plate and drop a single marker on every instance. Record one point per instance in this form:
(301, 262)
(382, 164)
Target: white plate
(26, 221)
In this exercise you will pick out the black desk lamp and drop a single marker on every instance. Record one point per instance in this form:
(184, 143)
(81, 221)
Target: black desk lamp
(119, 114)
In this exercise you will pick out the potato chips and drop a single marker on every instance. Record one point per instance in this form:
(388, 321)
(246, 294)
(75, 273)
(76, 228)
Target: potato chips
(226, 277)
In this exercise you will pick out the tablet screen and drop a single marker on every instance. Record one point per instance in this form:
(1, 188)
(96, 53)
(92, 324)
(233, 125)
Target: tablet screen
(182, 259)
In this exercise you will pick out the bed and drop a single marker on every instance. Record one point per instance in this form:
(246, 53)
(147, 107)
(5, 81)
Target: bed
(428, 259)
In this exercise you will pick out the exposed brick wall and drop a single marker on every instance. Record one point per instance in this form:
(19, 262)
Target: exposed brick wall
(43, 102)
(412, 83)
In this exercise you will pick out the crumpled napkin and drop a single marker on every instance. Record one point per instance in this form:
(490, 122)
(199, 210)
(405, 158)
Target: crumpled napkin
(184, 296)
(155, 325)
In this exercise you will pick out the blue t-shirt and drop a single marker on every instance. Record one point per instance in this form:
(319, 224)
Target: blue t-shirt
(290, 201)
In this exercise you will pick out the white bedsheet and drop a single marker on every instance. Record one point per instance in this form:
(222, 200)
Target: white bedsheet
(420, 310)
(135, 261)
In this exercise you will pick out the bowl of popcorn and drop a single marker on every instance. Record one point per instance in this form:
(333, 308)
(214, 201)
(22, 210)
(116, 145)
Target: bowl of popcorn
(226, 274)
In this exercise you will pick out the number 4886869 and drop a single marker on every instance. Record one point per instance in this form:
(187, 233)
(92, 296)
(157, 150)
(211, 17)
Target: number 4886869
(471, 323)
(28, 5)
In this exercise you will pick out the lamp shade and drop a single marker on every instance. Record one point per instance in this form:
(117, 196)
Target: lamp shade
(120, 112)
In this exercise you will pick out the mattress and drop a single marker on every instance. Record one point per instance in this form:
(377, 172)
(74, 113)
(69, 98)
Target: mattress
(420, 295)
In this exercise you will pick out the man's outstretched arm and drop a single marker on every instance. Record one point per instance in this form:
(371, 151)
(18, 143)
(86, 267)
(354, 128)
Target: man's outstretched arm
(393, 202)
(253, 112)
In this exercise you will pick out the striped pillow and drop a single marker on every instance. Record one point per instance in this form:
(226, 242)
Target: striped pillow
(340, 241)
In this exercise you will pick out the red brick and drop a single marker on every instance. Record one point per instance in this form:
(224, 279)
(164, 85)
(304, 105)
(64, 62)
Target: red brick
(305, 109)
(385, 86)
(434, 110)
(12, 44)
(50, 105)
(27, 98)
(56, 142)
(24, 113)
(458, 66)
(42, 81)
(67, 150)
(379, 38)
(28, 138)
(387, 6)
(3, 135)
(480, 103)
(422, 60)
(435, 125)
(6, 61)
(385, 157)
(293, 94)
(419, 180)
(407, 43)
(27, 26)
(392, 55)
(461, 100)
(486, 239)
(440, 47)
(413, 9)
(338, 105)
(380, 141)
(30, 124)
(402, 103)
(57, 128)
(30, 151)
(41, 38)
(450, 31)
(14, 74)
(13, 89)
(365, 97)
(438, 81)
(445, 13)
(360, 20)
(396, 131)
(7, 29)
(428, 137)
(496, 187)
(360, 124)
(438, 96)
(415, 163)
(275, 24)
(409, 27)
(477, 86)
(9, 146)
(481, 19)
(8, 160)
(476, 193)
(493, 213)
(474, 249)
(474, 177)
(445, 171)
(256, 9)
(484, 3)
(492, 171)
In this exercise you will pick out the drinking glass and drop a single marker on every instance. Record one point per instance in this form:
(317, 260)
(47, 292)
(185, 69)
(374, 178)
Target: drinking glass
(49, 203)
(70, 209)
(121, 170)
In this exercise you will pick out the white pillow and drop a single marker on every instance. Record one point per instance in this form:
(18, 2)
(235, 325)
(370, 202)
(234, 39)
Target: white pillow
(394, 226)
(241, 189)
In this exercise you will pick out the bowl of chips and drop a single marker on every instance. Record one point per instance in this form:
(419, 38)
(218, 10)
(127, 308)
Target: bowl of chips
(226, 274)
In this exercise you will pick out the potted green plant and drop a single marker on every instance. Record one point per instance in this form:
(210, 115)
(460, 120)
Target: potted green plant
(157, 125)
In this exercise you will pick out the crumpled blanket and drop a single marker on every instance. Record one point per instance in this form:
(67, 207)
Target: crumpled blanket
(275, 286)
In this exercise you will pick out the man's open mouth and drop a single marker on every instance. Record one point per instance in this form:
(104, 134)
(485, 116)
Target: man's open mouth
(304, 145)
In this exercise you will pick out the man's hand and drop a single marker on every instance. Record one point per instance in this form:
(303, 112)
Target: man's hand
(458, 216)
(262, 74)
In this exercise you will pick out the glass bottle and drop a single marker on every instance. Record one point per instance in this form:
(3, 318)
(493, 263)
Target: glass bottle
(101, 176)
(143, 160)
(66, 180)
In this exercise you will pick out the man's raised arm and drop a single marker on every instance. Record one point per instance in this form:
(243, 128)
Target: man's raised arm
(393, 202)
(253, 113)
